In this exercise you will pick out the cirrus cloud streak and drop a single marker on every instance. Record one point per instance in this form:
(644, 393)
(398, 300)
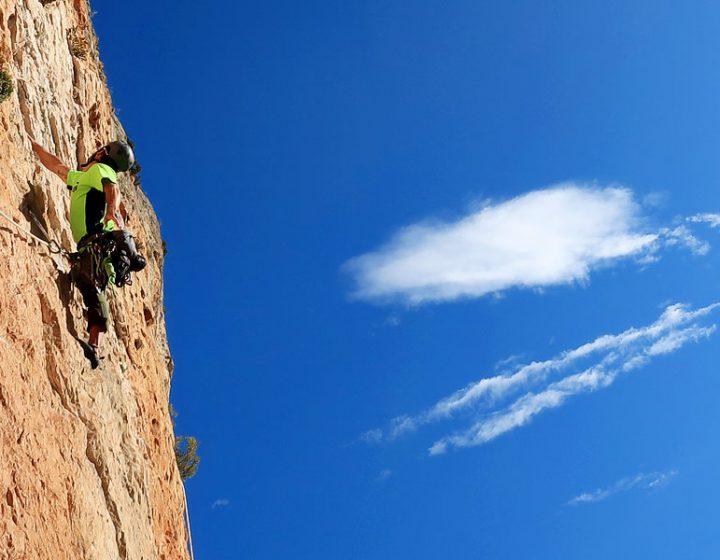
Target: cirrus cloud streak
(505, 402)
(643, 481)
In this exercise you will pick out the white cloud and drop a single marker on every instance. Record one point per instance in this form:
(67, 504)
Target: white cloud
(682, 237)
(632, 348)
(642, 481)
(543, 238)
(219, 503)
(589, 367)
(384, 475)
(713, 220)
(524, 409)
(372, 436)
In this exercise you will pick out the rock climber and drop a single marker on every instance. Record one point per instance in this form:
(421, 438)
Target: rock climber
(106, 252)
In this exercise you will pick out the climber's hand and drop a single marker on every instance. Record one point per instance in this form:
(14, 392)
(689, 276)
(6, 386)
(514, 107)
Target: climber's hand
(116, 218)
(50, 161)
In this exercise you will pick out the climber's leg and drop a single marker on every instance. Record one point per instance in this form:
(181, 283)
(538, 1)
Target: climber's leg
(96, 304)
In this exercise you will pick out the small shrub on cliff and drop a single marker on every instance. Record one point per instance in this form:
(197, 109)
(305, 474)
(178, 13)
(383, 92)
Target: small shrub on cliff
(77, 42)
(6, 86)
(185, 452)
(186, 456)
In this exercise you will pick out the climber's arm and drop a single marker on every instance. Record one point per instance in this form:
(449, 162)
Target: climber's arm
(50, 161)
(112, 199)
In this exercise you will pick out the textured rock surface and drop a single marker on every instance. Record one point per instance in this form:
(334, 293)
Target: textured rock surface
(87, 469)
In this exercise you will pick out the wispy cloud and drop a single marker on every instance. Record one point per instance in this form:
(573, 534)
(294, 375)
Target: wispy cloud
(384, 475)
(548, 384)
(712, 219)
(650, 481)
(598, 376)
(680, 236)
(543, 238)
(220, 503)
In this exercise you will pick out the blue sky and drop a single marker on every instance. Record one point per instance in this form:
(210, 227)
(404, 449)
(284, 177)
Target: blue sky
(489, 224)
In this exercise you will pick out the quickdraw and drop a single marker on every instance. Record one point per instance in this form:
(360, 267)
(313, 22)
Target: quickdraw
(53, 247)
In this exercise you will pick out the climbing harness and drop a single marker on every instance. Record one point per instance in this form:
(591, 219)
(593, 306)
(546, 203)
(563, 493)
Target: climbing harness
(114, 256)
(92, 257)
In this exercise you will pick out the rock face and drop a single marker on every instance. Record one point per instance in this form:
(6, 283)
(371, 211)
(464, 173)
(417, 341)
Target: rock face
(87, 468)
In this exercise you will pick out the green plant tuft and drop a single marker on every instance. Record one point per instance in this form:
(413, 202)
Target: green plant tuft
(6, 86)
(185, 452)
(77, 42)
(186, 456)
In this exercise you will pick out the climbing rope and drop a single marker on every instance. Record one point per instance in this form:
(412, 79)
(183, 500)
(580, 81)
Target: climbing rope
(52, 245)
(187, 523)
(45, 233)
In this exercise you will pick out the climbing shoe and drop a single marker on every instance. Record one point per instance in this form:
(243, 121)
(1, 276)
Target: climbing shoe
(91, 353)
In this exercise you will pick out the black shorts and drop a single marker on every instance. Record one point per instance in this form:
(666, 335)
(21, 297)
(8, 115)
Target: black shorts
(92, 289)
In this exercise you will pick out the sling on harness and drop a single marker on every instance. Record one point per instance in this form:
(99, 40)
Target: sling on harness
(113, 256)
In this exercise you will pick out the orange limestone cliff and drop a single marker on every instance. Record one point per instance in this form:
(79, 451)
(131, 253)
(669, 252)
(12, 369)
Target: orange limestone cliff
(87, 464)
